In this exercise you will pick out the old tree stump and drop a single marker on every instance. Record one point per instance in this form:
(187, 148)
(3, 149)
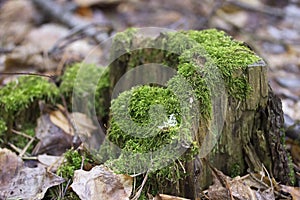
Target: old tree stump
(239, 130)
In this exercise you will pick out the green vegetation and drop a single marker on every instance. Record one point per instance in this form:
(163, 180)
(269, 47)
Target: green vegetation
(92, 79)
(235, 170)
(292, 172)
(202, 58)
(20, 94)
(72, 162)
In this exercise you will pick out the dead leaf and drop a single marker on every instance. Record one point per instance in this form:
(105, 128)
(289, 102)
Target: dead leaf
(294, 191)
(53, 140)
(51, 161)
(84, 125)
(86, 130)
(24, 182)
(101, 183)
(9, 166)
(61, 121)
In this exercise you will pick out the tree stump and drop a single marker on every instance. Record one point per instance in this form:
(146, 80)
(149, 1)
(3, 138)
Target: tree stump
(252, 130)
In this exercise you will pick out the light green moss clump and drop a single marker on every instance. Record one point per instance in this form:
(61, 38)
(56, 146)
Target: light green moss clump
(230, 56)
(122, 41)
(149, 133)
(3, 126)
(72, 162)
(81, 86)
(20, 94)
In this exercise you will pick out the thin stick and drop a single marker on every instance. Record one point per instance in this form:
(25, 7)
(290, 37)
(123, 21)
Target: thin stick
(17, 149)
(262, 9)
(26, 147)
(26, 73)
(138, 193)
(22, 134)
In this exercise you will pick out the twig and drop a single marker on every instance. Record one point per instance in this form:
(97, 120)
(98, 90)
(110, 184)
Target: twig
(79, 32)
(262, 9)
(27, 73)
(29, 158)
(21, 154)
(22, 134)
(17, 149)
(58, 13)
(138, 193)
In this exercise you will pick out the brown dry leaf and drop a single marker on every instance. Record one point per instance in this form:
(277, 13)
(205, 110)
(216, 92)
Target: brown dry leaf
(61, 121)
(86, 130)
(84, 125)
(294, 191)
(52, 162)
(53, 140)
(24, 182)
(9, 166)
(241, 188)
(101, 183)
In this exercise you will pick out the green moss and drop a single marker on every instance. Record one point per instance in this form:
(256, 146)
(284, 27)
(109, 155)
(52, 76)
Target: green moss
(138, 105)
(72, 162)
(231, 57)
(235, 170)
(20, 94)
(291, 167)
(3, 126)
(89, 74)
(141, 104)
(3, 129)
(21, 141)
(122, 41)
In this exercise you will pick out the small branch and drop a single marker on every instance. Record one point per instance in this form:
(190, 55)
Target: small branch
(21, 154)
(139, 192)
(63, 16)
(80, 32)
(22, 134)
(261, 9)
(27, 73)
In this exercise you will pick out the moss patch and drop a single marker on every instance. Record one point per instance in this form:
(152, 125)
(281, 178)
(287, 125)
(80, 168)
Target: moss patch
(69, 80)
(19, 103)
(18, 95)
